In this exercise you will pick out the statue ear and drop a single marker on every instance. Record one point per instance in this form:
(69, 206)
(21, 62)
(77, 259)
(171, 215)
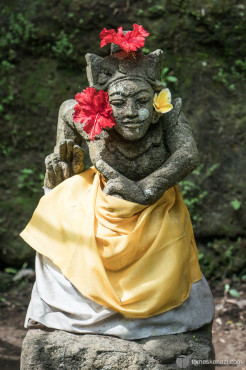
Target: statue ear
(93, 67)
(155, 64)
(156, 116)
(98, 70)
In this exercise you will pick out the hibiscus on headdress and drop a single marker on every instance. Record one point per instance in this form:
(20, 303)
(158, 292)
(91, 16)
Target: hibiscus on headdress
(94, 111)
(131, 41)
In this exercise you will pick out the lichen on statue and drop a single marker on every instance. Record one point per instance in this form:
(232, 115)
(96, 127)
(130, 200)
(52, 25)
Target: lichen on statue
(123, 138)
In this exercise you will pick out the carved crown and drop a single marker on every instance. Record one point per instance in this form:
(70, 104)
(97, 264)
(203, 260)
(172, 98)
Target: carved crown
(121, 65)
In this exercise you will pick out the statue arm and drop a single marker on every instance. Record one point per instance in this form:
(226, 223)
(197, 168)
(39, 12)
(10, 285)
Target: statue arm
(183, 158)
(67, 158)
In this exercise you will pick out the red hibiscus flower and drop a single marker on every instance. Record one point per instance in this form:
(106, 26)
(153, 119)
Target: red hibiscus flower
(94, 110)
(131, 41)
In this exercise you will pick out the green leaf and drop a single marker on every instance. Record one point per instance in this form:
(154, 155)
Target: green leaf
(234, 293)
(200, 256)
(172, 79)
(236, 204)
(145, 50)
(24, 266)
(165, 71)
(10, 270)
(239, 324)
(2, 299)
(227, 287)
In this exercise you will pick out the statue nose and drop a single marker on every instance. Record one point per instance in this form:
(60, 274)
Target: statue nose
(131, 110)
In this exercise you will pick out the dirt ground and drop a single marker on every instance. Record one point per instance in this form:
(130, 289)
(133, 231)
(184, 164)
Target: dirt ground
(228, 328)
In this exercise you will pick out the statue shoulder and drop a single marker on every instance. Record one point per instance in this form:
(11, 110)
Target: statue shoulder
(66, 111)
(66, 117)
(175, 119)
(66, 127)
(171, 118)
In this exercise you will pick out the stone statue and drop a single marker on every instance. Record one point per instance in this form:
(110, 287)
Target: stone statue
(116, 254)
(145, 153)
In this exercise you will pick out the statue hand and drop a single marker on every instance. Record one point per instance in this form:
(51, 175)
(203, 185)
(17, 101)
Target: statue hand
(119, 185)
(66, 161)
(153, 188)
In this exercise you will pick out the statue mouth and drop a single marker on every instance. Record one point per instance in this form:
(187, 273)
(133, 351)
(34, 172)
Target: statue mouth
(131, 124)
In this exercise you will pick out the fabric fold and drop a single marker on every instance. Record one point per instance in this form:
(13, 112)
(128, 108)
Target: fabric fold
(137, 260)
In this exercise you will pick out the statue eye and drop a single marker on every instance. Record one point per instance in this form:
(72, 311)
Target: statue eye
(143, 100)
(117, 103)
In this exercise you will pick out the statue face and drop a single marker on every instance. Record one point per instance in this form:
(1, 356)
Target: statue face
(132, 104)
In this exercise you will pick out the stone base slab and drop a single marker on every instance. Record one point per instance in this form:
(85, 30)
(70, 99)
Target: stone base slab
(56, 349)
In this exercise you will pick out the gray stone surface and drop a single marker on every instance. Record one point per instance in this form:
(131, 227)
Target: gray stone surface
(142, 155)
(51, 350)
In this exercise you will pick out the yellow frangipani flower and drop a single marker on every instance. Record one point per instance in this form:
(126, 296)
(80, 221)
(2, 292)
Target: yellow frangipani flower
(162, 101)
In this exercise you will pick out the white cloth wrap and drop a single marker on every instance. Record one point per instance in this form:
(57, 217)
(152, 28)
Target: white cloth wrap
(57, 304)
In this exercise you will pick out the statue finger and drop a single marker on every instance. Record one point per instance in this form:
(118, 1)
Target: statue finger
(117, 195)
(57, 171)
(69, 150)
(78, 156)
(49, 180)
(46, 181)
(62, 151)
(66, 173)
(48, 160)
(113, 187)
(119, 189)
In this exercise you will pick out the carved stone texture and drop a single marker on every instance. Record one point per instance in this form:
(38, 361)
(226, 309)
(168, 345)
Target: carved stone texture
(145, 153)
(50, 350)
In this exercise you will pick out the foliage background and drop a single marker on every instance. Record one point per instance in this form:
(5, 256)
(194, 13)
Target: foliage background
(42, 50)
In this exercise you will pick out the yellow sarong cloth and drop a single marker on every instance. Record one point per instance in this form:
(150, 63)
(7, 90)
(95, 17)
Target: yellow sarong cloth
(138, 260)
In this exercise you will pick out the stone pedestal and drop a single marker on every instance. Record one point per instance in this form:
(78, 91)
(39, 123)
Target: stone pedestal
(55, 349)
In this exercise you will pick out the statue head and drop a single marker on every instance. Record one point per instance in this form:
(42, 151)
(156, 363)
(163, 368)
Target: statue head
(131, 80)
